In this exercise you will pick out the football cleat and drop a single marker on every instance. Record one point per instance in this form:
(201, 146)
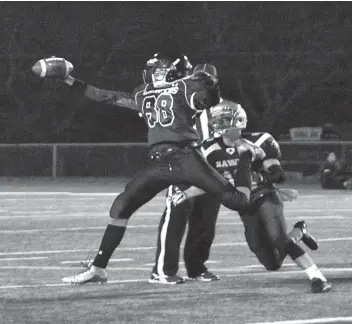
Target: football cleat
(205, 277)
(90, 275)
(165, 280)
(320, 286)
(307, 238)
(178, 198)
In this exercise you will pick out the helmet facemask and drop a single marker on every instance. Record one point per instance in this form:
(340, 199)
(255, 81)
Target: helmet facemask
(225, 118)
(163, 71)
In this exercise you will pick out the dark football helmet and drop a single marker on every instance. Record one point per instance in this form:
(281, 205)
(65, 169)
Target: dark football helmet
(162, 69)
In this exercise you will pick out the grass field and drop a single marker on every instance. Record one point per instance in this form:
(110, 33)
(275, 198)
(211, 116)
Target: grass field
(47, 228)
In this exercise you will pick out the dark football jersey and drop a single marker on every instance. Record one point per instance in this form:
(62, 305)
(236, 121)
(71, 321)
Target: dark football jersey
(170, 112)
(225, 159)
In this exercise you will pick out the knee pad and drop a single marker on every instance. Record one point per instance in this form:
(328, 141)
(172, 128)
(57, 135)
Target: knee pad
(119, 210)
(274, 266)
(270, 259)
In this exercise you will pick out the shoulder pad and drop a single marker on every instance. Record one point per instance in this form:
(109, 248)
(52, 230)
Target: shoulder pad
(210, 146)
(209, 142)
(253, 137)
(266, 142)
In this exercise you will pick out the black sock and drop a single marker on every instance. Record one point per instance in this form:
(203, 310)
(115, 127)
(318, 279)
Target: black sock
(294, 250)
(110, 241)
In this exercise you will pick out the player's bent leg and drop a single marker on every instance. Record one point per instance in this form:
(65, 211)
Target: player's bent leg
(258, 241)
(203, 176)
(273, 222)
(200, 237)
(273, 219)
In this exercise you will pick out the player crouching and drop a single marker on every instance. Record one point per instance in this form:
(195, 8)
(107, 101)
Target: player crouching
(265, 226)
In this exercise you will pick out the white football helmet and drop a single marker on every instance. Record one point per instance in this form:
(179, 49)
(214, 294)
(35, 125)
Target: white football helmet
(227, 115)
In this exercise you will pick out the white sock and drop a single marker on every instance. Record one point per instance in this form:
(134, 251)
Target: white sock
(314, 272)
(97, 270)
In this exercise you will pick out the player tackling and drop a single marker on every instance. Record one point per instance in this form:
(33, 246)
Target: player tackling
(265, 226)
(169, 102)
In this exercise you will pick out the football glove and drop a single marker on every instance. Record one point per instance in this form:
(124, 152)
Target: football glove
(178, 197)
(244, 145)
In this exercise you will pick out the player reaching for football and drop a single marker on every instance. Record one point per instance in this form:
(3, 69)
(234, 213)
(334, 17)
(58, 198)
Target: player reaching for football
(169, 102)
(265, 226)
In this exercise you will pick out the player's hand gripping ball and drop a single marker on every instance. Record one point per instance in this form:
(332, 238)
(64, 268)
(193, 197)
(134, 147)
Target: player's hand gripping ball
(52, 67)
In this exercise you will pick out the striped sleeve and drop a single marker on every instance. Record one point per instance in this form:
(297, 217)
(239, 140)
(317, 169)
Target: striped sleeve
(202, 125)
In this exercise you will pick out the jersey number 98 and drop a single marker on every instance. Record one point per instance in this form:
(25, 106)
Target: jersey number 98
(158, 110)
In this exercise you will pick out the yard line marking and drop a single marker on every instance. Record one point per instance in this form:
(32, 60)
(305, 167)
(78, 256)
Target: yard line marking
(335, 239)
(324, 320)
(321, 217)
(109, 194)
(99, 228)
(70, 268)
(68, 229)
(71, 215)
(150, 247)
(46, 199)
(111, 260)
(41, 212)
(66, 285)
(24, 258)
(182, 263)
(319, 240)
(49, 214)
(56, 193)
(66, 193)
(44, 252)
(278, 272)
(318, 210)
(264, 273)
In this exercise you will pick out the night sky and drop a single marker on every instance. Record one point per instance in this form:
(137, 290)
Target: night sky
(287, 63)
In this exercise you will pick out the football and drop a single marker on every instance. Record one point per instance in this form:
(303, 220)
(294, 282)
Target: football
(52, 67)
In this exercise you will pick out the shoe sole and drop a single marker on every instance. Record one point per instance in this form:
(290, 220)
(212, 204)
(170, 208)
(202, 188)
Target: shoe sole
(310, 243)
(201, 280)
(151, 281)
(90, 281)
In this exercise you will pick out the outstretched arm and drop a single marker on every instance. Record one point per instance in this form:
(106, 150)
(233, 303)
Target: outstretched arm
(116, 98)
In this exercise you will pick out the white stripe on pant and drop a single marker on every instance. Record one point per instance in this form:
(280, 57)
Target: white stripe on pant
(163, 236)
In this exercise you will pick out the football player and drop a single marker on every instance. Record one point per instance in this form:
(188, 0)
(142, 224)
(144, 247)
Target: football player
(169, 102)
(336, 173)
(265, 226)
